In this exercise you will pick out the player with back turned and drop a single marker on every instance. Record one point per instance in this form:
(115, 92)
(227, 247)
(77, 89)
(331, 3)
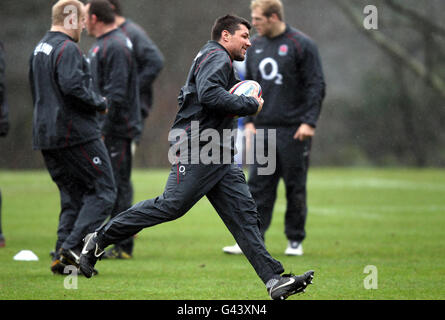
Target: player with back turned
(205, 99)
(66, 130)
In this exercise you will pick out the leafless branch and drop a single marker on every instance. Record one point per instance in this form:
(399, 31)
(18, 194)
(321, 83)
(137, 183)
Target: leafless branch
(393, 48)
(415, 17)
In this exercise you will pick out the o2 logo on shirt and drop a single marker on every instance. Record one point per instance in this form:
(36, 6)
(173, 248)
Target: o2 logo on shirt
(269, 71)
(97, 161)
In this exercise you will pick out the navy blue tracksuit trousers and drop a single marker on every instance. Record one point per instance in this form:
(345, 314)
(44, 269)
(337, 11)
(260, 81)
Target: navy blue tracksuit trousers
(226, 189)
(292, 164)
(119, 150)
(86, 184)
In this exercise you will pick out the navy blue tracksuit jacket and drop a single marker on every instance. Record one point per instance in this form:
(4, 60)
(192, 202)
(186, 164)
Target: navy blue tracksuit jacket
(205, 99)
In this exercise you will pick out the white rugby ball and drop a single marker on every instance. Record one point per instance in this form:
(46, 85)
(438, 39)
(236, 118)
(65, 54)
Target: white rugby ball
(248, 88)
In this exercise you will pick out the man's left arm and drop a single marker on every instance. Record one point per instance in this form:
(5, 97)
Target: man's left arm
(74, 80)
(314, 88)
(212, 75)
(4, 123)
(150, 61)
(117, 65)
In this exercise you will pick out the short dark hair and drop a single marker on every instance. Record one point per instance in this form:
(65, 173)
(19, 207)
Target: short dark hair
(117, 7)
(229, 22)
(102, 10)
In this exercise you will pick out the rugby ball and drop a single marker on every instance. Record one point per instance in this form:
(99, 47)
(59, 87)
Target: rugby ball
(247, 88)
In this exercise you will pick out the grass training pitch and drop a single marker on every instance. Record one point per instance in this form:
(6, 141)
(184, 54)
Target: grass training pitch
(391, 219)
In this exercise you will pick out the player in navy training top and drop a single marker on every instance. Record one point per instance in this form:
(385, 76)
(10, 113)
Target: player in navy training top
(287, 65)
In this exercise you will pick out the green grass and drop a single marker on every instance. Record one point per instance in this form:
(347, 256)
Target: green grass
(393, 219)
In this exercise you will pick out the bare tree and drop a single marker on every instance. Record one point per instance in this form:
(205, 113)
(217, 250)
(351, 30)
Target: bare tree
(424, 71)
